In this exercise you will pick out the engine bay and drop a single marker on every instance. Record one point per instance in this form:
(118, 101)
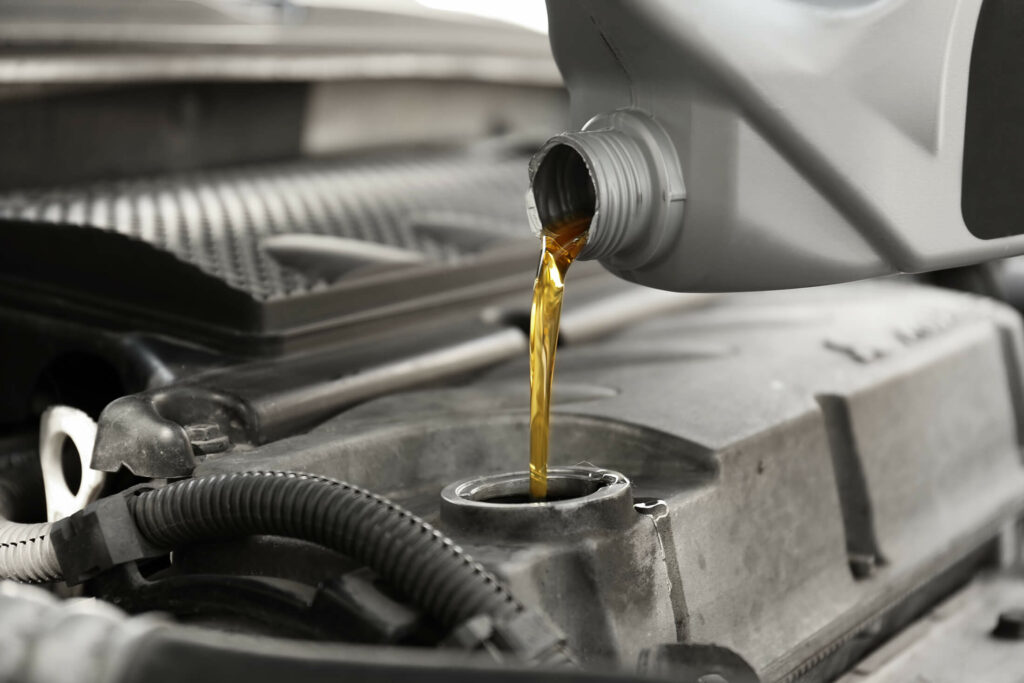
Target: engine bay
(265, 406)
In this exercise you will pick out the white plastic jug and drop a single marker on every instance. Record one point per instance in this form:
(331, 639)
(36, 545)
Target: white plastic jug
(762, 144)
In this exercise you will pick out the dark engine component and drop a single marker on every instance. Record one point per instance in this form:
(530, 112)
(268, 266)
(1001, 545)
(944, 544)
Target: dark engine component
(406, 552)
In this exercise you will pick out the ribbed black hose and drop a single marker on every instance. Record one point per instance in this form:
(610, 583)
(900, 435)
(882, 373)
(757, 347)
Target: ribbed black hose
(417, 560)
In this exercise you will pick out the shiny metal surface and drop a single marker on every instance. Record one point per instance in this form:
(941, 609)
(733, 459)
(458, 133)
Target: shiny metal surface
(58, 425)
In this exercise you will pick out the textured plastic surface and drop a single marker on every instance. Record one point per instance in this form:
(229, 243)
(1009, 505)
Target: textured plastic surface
(215, 220)
(820, 141)
(774, 439)
(192, 255)
(954, 642)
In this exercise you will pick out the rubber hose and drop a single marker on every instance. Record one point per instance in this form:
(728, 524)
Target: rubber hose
(26, 552)
(417, 560)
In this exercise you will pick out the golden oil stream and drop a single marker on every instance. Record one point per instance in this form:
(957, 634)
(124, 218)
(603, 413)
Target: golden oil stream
(561, 244)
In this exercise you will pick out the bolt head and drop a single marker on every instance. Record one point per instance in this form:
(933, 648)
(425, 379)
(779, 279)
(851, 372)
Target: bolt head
(207, 438)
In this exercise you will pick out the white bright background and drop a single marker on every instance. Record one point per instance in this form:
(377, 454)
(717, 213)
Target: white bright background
(528, 13)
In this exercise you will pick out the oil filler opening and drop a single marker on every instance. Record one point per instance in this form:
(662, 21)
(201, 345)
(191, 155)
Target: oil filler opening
(580, 498)
(514, 489)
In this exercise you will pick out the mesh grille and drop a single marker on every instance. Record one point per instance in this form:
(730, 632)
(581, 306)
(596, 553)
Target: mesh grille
(215, 220)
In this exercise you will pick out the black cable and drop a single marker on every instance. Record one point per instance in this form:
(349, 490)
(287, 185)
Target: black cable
(418, 562)
(409, 554)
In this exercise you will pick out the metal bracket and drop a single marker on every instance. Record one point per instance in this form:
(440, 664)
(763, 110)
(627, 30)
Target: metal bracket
(58, 424)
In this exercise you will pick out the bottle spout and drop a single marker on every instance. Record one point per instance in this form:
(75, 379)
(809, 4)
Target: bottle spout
(622, 171)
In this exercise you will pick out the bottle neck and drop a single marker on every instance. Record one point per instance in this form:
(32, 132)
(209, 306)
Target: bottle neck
(616, 169)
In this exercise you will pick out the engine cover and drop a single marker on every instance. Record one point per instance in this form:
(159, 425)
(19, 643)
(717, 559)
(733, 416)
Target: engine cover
(810, 470)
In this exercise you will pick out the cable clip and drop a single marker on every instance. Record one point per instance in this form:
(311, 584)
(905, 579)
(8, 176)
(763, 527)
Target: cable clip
(101, 536)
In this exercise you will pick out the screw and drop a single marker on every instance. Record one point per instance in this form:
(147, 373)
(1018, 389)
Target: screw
(1010, 625)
